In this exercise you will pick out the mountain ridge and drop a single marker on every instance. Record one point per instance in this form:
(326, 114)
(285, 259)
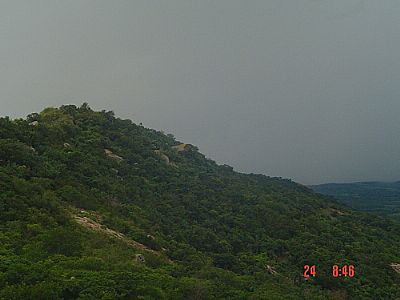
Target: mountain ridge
(225, 231)
(381, 197)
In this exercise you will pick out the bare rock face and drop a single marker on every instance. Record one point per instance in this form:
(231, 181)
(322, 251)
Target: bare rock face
(271, 270)
(150, 237)
(395, 267)
(180, 147)
(162, 156)
(113, 156)
(165, 158)
(34, 123)
(140, 258)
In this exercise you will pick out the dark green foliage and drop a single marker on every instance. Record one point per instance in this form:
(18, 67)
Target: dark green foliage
(223, 230)
(378, 197)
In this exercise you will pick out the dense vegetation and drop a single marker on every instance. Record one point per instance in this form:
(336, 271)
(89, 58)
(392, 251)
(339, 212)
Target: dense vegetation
(379, 197)
(205, 231)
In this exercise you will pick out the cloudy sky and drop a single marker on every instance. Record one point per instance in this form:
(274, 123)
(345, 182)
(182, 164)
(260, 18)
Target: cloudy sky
(302, 89)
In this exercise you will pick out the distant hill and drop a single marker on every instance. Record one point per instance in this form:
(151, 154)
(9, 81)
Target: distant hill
(379, 197)
(96, 207)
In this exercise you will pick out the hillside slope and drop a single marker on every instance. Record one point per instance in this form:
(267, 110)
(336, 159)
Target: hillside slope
(379, 197)
(95, 207)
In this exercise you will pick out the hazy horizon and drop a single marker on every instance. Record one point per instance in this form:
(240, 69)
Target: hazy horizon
(305, 89)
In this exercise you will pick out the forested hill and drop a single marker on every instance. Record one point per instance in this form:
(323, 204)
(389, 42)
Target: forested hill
(379, 197)
(95, 207)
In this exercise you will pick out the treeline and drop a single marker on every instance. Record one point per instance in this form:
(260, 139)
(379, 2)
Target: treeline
(213, 233)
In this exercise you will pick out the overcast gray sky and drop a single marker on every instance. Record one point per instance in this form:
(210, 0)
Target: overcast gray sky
(303, 89)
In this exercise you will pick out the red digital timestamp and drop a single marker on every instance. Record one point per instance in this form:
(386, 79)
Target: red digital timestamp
(345, 271)
(337, 271)
(309, 271)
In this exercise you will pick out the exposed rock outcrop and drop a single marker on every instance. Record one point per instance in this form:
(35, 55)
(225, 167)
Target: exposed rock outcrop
(113, 156)
(140, 258)
(395, 267)
(34, 123)
(93, 225)
(162, 156)
(180, 147)
(271, 270)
